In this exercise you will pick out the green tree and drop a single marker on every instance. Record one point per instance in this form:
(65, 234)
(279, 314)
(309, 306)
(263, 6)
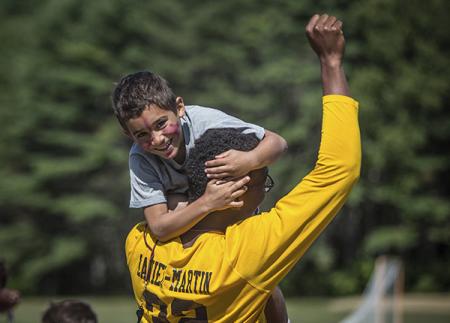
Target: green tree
(401, 74)
(60, 196)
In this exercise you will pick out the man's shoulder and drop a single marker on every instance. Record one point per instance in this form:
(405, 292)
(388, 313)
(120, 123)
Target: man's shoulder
(133, 238)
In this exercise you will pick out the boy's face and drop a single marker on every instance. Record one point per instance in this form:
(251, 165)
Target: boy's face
(158, 131)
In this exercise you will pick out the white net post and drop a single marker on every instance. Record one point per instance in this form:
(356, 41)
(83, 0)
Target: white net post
(382, 300)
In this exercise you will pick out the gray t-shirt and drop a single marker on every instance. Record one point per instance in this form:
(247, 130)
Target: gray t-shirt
(152, 178)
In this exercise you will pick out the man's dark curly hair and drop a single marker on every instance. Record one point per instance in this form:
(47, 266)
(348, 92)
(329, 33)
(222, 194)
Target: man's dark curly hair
(212, 143)
(135, 92)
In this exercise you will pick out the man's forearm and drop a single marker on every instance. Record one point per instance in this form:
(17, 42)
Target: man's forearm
(333, 79)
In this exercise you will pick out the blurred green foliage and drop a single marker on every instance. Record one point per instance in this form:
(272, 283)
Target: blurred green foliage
(64, 181)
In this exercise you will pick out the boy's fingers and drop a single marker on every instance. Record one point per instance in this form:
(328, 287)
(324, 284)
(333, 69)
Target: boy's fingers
(217, 173)
(239, 183)
(214, 162)
(222, 155)
(239, 192)
(218, 176)
(214, 182)
(236, 204)
(216, 169)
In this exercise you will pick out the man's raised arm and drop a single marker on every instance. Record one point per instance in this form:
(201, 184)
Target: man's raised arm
(276, 240)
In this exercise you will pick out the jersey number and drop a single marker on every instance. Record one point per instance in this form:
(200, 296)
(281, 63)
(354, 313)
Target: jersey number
(178, 306)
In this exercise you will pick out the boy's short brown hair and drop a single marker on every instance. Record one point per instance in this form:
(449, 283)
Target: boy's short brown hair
(137, 91)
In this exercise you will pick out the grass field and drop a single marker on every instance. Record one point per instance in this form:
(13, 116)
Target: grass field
(417, 309)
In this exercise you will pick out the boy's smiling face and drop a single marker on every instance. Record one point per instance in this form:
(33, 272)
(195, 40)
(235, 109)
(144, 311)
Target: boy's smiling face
(158, 131)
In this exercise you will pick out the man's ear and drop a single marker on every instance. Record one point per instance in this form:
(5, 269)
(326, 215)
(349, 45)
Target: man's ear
(180, 107)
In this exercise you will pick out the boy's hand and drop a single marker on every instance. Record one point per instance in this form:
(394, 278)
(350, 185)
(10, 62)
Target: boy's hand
(220, 195)
(326, 38)
(230, 164)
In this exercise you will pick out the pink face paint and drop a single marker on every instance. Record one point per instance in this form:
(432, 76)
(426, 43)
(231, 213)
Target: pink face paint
(171, 129)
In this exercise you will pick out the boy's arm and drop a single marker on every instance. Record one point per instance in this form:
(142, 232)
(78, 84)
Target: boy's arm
(234, 163)
(165, 224)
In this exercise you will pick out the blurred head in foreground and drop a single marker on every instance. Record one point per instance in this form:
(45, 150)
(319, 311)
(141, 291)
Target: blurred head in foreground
(69, 311)
(8, 297)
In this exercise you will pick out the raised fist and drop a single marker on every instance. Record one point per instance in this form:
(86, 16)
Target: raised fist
(326, 38)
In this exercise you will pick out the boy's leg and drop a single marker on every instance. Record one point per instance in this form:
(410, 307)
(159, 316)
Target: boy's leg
(275, 310)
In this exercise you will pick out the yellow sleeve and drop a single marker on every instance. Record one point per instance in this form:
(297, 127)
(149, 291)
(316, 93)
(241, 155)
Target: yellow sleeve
(262, 249)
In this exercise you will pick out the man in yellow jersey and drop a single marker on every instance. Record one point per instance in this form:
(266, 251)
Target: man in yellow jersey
(227, 277)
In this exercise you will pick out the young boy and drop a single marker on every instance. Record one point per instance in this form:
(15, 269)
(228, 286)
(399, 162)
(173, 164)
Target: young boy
(164, 131)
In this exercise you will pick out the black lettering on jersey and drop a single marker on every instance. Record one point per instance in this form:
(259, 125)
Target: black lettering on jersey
(197, 274)
(176, 274)
(152, 300)
(153, 271)
(159, 278)
(149, 271)
(189, 280)
(157, 273)
(139, 266)
(144, 268)
(208, 276)
(200, 290)
(183, 283)
(155, 266)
